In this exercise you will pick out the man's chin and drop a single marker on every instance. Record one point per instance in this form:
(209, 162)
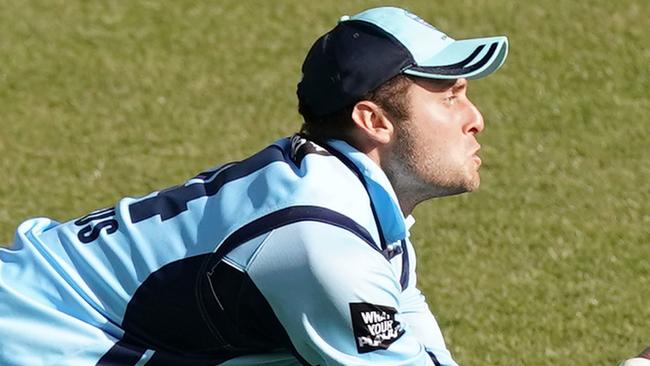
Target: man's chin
(474, 184)
(465, 187)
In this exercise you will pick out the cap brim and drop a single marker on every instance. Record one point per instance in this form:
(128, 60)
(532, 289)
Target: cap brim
(467, 58)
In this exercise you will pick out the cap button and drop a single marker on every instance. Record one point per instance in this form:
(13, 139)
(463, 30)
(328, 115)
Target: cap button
(344, 18)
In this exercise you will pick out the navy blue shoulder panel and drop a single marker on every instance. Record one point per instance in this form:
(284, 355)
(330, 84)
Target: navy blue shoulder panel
(163, 315)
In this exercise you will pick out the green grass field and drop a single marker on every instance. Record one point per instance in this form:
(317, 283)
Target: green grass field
(547, 264)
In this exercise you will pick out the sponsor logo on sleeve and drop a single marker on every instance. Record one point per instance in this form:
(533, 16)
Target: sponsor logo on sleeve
(374, 326)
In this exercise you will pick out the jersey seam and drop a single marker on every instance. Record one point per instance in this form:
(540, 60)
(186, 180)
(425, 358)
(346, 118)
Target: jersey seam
(259, 248)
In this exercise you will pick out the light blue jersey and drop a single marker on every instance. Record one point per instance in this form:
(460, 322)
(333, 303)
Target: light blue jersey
(298, 255)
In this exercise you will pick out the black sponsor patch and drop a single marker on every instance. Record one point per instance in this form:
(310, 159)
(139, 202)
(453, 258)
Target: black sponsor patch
(374, 326)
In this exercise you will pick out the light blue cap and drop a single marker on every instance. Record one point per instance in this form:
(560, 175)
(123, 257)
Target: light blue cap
(435, 54)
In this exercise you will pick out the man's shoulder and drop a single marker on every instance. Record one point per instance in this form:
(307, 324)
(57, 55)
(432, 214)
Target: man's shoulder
(309, 174)
(323, 249)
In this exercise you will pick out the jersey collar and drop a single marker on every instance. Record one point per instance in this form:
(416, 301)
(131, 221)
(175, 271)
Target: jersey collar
(380, 190)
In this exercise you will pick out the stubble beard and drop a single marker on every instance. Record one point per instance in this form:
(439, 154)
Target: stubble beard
(418, 174)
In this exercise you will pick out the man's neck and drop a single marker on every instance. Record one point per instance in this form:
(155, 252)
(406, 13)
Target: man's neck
(407, 197)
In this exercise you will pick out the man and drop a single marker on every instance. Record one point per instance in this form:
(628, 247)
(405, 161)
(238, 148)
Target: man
(296, 255)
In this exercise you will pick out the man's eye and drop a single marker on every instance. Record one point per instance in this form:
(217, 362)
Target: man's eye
(451, 99)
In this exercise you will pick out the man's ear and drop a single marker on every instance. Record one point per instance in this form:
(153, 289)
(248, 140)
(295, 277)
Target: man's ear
(372, 122)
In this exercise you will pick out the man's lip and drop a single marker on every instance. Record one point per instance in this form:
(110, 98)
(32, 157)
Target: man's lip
(475, 156)
(476, 150)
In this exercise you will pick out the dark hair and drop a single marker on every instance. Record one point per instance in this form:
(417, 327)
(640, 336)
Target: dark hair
(390, 96)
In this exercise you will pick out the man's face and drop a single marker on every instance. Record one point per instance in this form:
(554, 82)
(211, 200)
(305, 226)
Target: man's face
(435, 150)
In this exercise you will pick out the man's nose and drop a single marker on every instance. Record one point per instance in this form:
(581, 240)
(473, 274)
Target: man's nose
(475, 123)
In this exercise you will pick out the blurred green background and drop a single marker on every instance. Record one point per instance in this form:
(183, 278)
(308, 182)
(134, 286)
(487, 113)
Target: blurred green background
(547, 264)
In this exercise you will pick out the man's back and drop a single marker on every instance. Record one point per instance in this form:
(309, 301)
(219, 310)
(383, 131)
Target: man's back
(162, 271)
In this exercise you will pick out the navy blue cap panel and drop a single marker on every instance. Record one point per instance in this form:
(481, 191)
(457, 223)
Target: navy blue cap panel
(376, 57)
(348, 62)
(319, 71)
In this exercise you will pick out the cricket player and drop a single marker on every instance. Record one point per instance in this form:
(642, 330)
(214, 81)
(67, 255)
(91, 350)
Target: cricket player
(297, 255)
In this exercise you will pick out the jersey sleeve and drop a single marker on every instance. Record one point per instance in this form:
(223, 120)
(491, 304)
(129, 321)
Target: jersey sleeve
(336, 296)
(416, 313)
